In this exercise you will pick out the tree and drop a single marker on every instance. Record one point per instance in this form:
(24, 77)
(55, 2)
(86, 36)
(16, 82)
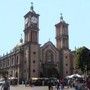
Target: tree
(3, 73)
(49, 70)
(52, 72)
(83, 59)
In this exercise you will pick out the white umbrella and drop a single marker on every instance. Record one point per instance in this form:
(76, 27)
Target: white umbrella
(12, 78)
(74, 75)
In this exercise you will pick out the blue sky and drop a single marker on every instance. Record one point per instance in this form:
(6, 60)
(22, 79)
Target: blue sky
(75, 13)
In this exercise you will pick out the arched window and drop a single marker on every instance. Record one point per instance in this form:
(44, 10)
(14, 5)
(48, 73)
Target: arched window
(49, 56)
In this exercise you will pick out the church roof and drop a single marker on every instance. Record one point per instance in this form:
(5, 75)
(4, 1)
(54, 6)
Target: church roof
(62, 22)
(31, 12)
(49, 43)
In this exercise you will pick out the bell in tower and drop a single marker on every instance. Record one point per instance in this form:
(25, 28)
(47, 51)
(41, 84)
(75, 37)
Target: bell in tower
(31, 30)
(62, 39)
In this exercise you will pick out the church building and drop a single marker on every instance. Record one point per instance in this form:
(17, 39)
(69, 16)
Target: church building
(30, 59)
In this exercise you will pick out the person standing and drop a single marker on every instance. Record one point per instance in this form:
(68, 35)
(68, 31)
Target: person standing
(88, 82)
(6, 84)
(58, 85)
(62, 84)
(50, 85)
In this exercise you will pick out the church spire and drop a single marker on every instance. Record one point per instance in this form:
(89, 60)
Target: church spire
(61, 17)
(21, 40)
(32, 6)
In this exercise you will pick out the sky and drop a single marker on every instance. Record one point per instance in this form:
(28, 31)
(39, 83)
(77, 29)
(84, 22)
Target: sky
(75, 12)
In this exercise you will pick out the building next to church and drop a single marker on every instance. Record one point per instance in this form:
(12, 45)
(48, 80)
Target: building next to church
(30, 59)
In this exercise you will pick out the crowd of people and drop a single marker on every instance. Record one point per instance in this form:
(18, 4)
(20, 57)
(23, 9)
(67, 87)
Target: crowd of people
(77, 83)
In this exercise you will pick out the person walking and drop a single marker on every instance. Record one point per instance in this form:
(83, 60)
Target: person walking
(6, 84)
(50, 86)
(62, 84)
(58, 85)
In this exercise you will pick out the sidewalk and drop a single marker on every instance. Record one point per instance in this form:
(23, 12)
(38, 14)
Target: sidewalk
(22, 87)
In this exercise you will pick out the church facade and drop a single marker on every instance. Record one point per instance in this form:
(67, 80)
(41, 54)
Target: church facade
(30, 59)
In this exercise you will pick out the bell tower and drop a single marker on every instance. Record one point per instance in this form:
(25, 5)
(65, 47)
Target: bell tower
(31, 30)
(31, 44)
(62, 39)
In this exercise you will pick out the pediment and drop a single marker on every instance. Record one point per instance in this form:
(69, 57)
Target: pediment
(49, 46)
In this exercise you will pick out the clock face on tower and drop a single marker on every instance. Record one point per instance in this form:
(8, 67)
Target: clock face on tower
(34, 20)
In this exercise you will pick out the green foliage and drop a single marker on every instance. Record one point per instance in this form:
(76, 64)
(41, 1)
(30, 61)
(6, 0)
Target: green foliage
(3, 73)
(50, 70)
(83, 59)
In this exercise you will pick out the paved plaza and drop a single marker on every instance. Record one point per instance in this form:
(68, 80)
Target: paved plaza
(22, 87)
